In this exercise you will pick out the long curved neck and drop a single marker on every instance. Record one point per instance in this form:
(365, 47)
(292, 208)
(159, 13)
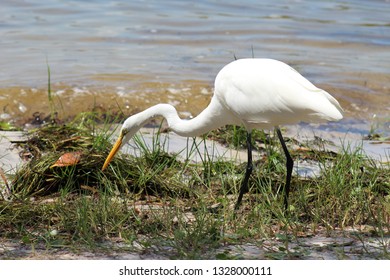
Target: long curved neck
(214, 116)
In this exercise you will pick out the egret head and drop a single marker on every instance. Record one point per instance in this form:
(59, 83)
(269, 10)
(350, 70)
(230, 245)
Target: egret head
(125, 135)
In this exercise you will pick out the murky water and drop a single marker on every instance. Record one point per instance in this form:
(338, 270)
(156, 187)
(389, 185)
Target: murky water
(134, 54)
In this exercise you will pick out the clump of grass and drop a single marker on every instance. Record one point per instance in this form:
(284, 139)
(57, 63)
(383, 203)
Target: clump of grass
(352, 191)
(156, 173)
(46, 145)
(235, 136)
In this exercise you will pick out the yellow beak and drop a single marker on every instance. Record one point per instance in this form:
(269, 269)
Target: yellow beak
(113, 151)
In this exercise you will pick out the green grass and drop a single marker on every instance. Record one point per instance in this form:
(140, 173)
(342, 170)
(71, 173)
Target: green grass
(159, 201)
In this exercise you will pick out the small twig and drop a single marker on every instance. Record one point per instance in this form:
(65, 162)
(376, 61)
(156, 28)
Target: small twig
(2, 174)
(69, 139)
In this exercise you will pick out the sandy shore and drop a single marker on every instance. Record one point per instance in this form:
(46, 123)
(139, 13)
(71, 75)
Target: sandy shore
(332, 140)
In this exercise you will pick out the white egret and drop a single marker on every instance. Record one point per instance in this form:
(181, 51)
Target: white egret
(257, 93)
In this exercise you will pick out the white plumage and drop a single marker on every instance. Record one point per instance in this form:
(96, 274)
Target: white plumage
(263, 93)
(253, 92)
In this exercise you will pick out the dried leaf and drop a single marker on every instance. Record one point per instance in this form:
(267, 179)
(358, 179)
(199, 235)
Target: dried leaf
(68, 159)
(88, 188)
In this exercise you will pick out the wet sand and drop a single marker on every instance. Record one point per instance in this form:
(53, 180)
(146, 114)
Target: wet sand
(190, 97)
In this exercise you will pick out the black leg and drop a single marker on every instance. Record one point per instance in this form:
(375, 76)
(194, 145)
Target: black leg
(249, 167)
(289, 167)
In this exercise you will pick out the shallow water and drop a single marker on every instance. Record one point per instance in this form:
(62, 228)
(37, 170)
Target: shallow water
(134, 54)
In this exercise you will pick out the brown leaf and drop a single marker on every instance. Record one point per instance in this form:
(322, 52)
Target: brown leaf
(88, 188)
(68, 159)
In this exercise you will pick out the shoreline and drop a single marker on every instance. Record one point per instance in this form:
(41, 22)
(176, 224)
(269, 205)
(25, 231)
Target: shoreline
(378, 150)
